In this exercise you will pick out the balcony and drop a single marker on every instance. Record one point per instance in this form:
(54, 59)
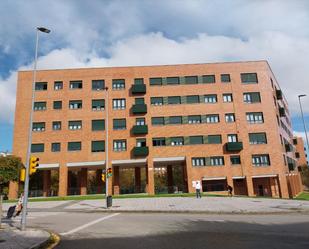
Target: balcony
(140, 151)
(291, 166)
(282, 112)
(279, 94)
(138, 89)
(139, 109)
(288, 147)
(140, 129)
(234, 146)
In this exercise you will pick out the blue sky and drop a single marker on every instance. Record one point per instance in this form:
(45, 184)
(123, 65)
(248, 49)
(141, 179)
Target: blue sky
(131, 32)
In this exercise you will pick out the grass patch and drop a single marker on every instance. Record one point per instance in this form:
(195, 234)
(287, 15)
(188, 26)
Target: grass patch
(303, 196)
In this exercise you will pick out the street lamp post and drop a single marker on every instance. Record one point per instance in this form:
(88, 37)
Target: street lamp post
(302, 115)
(106, 147)
(26, 187)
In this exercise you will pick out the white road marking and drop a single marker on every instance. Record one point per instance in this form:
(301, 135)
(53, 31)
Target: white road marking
(88, 224)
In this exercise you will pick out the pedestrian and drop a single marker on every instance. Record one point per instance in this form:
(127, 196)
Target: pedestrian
(230, 190)
(198, 189)
(19, 206)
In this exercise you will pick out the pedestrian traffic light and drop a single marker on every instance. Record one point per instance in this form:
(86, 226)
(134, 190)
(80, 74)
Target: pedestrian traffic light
(109, 171)
(22, 175)
(33, 164)
(103, 177)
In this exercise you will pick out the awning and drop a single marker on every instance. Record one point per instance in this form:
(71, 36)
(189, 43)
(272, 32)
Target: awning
(214, 178)
(129, 162)
(169, 159)
(264, 176)
(238, 177)
(48, 166)
(84, 164)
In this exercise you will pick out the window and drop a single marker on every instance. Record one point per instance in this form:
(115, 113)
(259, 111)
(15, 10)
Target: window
(119, 124)
(227, 97)
(119, 104)
(235, 160)
(211, 98)
(75, 104)
(40, 86)
(175, 120)
(74, 146)
(213, 139)
(249, 78)
(58, 85)
(157, 121)
(118, 84)
(253, 97)
(56, 125)
(255, 117)
(198, 161)
(194, 119)
(36, 148)
(212, 118)
(208, 79)
(139, 101)
(38, 126)
(55, 147)
(172, 80)
(139, 81)
(98, 85)
(141, 142)
(140, 121)
(214, 161)
(155, 81)
(229, 117)
(98, 146)
(156, 100)
(98, 125)
(192, 99)
(260, 160)
(294, 141)
(257, 138)
(39, 106)
(159, 141)
(75, 125)
(98, 104)
(120, 145)
(174, 100)
(191, 80)
(57, 105)
(196, 139)
(176, 141)
(76, 84)
(225, 78)
(232, 138)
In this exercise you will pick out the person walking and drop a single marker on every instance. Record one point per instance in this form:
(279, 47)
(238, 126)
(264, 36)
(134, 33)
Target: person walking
(230, 190)
(19, 206)
(198, 189)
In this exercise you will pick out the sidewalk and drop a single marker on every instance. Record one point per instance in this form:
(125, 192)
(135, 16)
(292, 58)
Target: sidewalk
(13, 238)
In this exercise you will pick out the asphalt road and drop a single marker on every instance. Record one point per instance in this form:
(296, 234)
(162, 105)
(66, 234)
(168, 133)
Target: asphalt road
(154, 231)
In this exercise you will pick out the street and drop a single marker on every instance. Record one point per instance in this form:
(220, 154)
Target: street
(159, 230)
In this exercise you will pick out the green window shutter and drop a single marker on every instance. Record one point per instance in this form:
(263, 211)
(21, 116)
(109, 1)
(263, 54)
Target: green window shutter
(156, 100)
(58, 105)
(98, 146)
(175, 120)
(214, 139)
(36, 148)
(98, 104)
(155, 81)
(166, 120)
(168, 141)
(184, 119)
(157, 121)
(255, 97)
(164, 82)
(191, 79)
(205, 139)
(207, 161)
(174, 100)
(73, 146)
(183, 100)
(182, 80)
(204, 118)
(201, 98)
(199, 79)
(192, 99)
(196, 139)
(209, 79)
(139, 81)
(186, 140)
(172, 80)
(139, 101)
(98, 125)
(225, 78)
(165, 100)
(119, 124)
(249, 78)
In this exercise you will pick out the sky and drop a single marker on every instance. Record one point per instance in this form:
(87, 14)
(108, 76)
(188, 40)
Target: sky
(100, 33)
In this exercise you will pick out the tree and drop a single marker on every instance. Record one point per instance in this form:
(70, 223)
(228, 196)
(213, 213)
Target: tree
(9, 170)
(305, 175)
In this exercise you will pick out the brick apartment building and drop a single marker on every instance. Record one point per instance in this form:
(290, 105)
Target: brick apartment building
(220, 123)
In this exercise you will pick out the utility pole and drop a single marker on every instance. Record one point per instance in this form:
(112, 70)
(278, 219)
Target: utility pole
(302, 115)
(106, 147)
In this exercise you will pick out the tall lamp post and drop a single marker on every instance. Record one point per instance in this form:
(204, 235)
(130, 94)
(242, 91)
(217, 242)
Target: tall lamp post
(106, 148)
(302, 115)
(26, 187)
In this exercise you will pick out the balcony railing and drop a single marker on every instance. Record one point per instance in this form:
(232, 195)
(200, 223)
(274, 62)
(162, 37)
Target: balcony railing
(138, 89)
(282, 112)
(139, 109)
(288, 148)
(234, 146)
(278, 94)
(140, 129)
(140, 151)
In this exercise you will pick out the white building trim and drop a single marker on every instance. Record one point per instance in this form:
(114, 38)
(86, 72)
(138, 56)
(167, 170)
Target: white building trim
(214, 178)
(48, 166)
(169, 159)
(129, 161)
(238, 177)
(81, 164)
(263, 176)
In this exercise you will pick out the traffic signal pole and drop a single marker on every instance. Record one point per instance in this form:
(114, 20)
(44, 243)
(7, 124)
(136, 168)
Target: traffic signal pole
(106, 148)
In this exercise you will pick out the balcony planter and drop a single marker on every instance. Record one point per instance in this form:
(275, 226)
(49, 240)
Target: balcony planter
(234, 146)
(140, 129)
(140, 151)
(138, 89)
(139, 109)
(279, 94)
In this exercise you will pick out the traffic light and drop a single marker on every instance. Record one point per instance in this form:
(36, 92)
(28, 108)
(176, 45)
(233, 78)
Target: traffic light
(103, 178)
(22, 175)
(33, 164)
(109, 172)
